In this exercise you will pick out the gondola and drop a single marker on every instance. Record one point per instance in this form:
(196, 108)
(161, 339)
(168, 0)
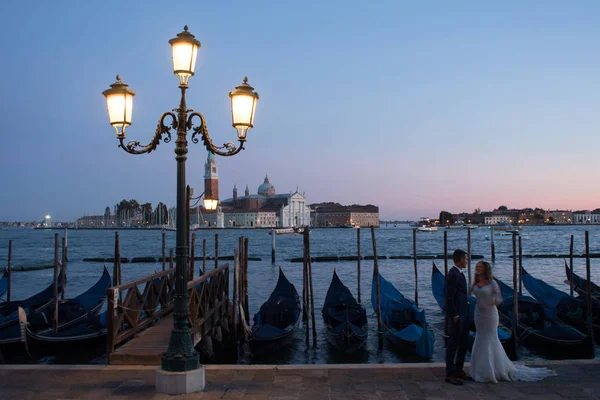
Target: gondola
(71, 311)
(541, 332)
(438, 286)
(10, 331)
(403, 323)
(562, 306)
(83, 340)
(276, 321)
(345, 319)
(580, 284)
(4, 283)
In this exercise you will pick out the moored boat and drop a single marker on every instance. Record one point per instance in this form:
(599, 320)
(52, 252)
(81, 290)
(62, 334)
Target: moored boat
(71, 311)
(580, 284)
(4, 283)
(562, 306)
(541, 332)
(403, 323)
(345, 319)
(276, 321)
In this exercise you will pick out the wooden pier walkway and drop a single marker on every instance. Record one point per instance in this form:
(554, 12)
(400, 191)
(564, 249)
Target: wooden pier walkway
(141, 321)
(145, 349)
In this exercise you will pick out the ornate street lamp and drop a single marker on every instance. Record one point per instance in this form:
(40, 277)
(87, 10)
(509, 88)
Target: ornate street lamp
(181, 356)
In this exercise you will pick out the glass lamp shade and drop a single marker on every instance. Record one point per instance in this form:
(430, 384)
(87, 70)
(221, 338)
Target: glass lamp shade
(119, 102)
(211, 204)
(185, 51)
(243, 106)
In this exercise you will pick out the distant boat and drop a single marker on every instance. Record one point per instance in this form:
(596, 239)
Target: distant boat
(403, 323)
(462, 225)
(276, 321)
(505, 226)
(425, 228)
(282, 231)
(345, 319)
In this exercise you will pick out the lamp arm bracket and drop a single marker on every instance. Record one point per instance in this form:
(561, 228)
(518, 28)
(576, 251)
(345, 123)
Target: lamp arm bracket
(134, 147)
(230, 147)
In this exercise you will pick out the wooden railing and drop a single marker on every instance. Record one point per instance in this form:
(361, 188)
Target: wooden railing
(209, 301)
(131, 311)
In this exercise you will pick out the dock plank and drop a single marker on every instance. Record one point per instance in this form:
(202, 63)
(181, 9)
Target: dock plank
(147, 348)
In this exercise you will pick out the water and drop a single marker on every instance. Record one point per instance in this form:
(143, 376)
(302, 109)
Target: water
(36, 247)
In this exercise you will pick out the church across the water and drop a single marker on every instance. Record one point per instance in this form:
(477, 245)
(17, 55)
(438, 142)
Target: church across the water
(265, 209)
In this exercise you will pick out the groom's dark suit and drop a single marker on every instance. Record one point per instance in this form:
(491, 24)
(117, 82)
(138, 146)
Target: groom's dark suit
(458, 332)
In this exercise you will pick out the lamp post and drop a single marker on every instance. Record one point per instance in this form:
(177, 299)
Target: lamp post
(180, 355)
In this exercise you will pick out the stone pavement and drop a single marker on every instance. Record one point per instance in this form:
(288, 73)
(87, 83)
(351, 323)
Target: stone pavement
(575, 380)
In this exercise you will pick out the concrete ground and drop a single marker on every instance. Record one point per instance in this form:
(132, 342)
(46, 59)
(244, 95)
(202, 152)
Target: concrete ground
(575, 380)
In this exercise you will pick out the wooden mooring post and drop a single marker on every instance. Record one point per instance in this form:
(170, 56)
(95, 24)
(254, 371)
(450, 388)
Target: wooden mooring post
(272, 246)
(164, 251)
(63, 270)
(469, 254)
(358, 261)
(66, 247)
(445, 253)
(305, 292)
(515, 319)
(204, 257)
(115, 280)
(236, 289)
(171, 264)
(588, 276)
(377, 287)
(520, 266)
(55, 316)
(246, 302)
(192, 256)
(8, 269)
(493, 245)
(571, 266)
(415, 267)
(216, 251)
(310, 286)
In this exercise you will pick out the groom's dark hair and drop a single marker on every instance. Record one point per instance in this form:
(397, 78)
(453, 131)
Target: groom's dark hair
(458, 255)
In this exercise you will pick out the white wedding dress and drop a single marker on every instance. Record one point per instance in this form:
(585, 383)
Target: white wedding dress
(489, 362)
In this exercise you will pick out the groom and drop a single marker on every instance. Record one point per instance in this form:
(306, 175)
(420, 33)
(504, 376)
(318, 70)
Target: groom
(457, 319)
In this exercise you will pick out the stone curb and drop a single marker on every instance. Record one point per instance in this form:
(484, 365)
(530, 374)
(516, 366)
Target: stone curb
(282, 367)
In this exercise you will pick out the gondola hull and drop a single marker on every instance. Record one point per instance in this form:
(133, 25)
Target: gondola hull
(276, 322)
(563, 307)
(403, 323)
(348, 338)
(344, 318)
(540, 332)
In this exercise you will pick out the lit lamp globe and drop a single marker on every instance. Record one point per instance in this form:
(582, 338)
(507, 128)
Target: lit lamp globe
(211, 204)
(243, 106)
(185, 50)
(119, 102)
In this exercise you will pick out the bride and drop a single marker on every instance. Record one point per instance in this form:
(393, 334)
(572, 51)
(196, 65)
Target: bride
(489, 362)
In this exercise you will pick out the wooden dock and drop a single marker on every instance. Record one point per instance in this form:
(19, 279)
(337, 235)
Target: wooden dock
(145, 349)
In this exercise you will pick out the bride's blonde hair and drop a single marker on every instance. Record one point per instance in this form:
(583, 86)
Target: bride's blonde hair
(487, 270)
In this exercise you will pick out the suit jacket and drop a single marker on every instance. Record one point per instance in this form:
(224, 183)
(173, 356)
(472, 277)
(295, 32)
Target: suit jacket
(456, 294)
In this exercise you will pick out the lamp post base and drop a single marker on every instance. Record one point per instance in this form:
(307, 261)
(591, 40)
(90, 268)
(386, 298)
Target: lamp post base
(175, 383)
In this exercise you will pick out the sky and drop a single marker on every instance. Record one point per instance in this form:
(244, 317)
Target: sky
(416, 107)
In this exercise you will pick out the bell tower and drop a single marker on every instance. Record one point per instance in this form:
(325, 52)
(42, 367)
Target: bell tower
(211, 177)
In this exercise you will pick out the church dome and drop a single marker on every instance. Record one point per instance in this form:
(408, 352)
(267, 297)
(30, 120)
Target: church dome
(266, 189)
